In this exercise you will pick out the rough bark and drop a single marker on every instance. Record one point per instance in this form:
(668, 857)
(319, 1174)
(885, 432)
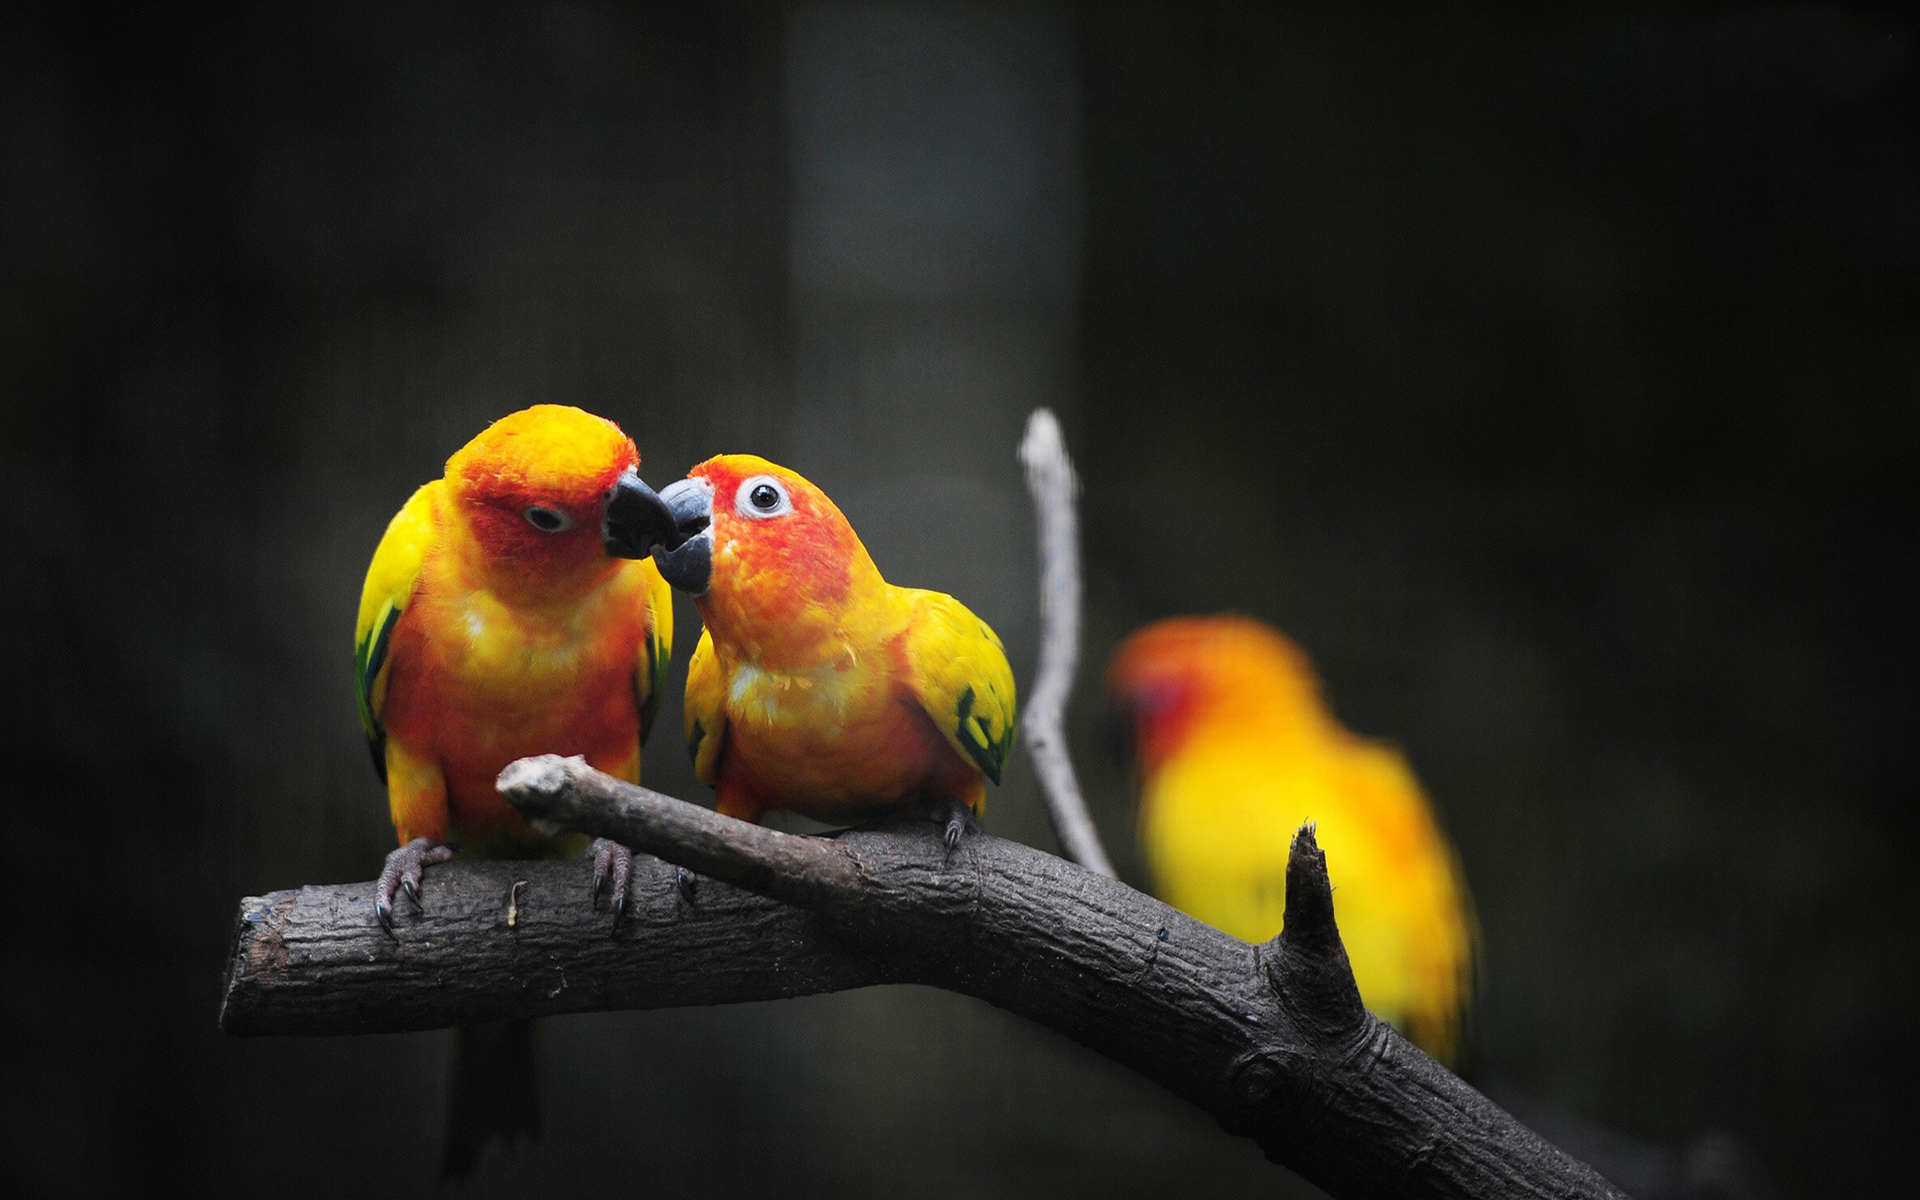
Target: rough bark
(1271, 1039)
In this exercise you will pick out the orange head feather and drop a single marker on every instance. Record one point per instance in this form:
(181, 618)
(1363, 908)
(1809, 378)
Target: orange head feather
(1178, 675)
(532, 487)
(783, 555)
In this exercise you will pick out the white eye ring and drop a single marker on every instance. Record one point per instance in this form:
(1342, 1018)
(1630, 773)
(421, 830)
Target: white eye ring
(762, 498)
(548, 520)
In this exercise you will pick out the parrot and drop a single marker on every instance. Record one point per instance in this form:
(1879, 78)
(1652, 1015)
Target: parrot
(512, 608)
(1235, 747)
(818, 687)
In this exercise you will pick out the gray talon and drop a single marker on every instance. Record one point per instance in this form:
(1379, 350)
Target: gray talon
(952, 816)
(402, 873)
(612, 861)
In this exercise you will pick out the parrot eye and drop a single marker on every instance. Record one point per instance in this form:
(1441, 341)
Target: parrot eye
(1155, 701)
(762, 497)
(548, 520)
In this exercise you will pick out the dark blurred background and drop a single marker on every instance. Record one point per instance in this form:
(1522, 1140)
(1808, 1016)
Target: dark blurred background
(1548, 377)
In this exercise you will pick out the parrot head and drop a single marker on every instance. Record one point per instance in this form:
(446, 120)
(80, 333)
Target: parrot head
(552, 492)
(1184, 674)
(757, 536)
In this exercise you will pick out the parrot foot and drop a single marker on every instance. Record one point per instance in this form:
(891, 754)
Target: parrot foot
(683, 880)
(611, 858)
(402, 871)
(953, 817)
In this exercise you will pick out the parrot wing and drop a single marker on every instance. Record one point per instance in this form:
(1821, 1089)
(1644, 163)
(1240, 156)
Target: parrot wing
(656, 649)
(383, 597)
(706, 710)
(1434, 911)
(961, 677)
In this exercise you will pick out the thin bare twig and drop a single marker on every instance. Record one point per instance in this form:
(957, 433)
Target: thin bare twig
(1051, 480)
(805, 871)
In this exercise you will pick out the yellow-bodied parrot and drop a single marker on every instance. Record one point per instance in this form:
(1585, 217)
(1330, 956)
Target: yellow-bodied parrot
(818, 687)
(1235, 748)
(511, 609)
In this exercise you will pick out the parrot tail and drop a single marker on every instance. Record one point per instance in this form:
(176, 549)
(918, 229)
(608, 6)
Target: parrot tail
(492, 1091)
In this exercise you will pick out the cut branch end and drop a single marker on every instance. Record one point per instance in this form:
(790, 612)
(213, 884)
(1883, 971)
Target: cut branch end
(1306, 961)
(1309, 915)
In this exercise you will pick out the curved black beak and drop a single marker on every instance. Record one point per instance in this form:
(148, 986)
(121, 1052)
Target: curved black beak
(636, 518)
(686, 560)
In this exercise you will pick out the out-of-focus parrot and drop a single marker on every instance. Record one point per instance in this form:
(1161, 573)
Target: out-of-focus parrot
(510, 610)
(818, 687)
(1235, 749)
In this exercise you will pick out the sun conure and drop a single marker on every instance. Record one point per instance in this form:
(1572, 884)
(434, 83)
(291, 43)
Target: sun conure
(818, 687)
(510, 610)
(1235, 749)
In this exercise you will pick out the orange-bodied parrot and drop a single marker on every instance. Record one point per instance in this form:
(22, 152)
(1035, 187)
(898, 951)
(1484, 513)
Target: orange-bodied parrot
(1236, 748)
(511, 609)
(818, 687)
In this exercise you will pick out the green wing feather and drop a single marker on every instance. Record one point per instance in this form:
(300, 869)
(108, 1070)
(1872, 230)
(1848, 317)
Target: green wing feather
(369, 663)
(656, 650)
(383, 600)
(962, 679)
(706, 711)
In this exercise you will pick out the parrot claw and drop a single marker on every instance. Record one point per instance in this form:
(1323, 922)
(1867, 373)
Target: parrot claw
(402, 872)
(953, 818)
(610, 858)
(683, 881)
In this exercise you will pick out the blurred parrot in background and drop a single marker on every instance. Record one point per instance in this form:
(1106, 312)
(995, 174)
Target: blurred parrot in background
(510, 609)
(1235, 748)
(818, 687)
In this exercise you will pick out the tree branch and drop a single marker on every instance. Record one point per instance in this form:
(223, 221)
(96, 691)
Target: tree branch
(1271, 1040)
(1051, 480)
(568, 793)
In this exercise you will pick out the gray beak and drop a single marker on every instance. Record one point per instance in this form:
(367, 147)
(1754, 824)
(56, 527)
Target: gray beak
(686, 560)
